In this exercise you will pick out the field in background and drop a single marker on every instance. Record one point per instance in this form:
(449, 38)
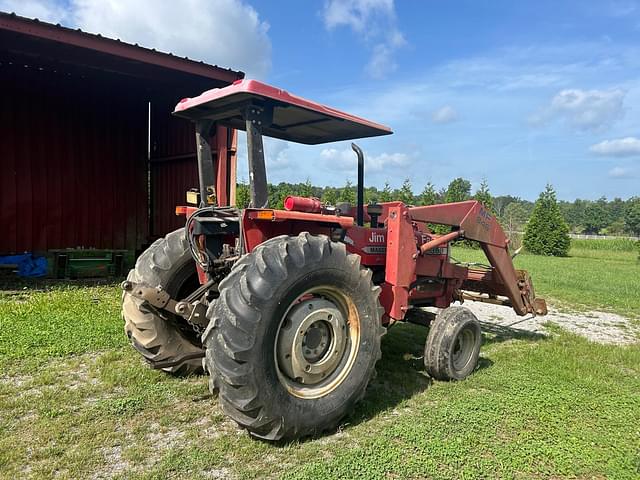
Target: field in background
(597, 274)
(76, 401)
(615, 245)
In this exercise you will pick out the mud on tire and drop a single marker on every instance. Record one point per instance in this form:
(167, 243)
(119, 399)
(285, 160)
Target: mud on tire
(168, 263)
(246, 325)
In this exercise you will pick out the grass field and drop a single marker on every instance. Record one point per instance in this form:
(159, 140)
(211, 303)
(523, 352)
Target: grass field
(601, 275)
(77, 402)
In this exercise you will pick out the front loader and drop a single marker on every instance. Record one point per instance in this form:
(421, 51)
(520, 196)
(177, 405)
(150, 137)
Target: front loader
(285, 309)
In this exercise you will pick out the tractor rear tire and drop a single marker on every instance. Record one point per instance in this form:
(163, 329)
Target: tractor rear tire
(294, 337)
(166, 263)
(453, 344)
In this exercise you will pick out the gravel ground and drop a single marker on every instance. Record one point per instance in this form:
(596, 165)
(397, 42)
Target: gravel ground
(601, 327)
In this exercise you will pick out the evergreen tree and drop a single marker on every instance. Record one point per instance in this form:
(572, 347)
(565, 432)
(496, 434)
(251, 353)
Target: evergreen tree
(484, 196)
(348, 193)
(459, 190)
(385, 194)
(306, 189)
(546, 232)
(405, 194)
(429, 195)
(330, 196)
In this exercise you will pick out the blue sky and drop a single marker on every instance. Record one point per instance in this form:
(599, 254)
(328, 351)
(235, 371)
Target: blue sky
(519, 93)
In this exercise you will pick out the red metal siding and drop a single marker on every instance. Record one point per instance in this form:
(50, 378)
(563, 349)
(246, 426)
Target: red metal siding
(174, 167)
(171, 180)
(73, 161)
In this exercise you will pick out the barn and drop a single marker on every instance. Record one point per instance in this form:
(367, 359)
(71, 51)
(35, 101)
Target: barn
(90, 157)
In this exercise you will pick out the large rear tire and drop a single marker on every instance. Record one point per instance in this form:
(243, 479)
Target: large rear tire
(166, 263)
(294, 337)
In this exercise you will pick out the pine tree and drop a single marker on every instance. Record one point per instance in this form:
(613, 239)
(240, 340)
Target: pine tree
(306, 189)
(330, 196)
(348, 193)
(546, 232)
(405, 194)
(429, 195)
(483, 195)
(385, 194)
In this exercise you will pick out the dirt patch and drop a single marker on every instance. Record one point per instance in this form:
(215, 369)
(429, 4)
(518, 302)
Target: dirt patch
(600, 327)
(115, 464)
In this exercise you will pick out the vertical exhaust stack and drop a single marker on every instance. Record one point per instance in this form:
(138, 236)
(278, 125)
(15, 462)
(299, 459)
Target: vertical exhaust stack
(360, 186)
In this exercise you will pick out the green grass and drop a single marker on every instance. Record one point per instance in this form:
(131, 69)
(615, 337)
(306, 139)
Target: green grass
(77, 402)
(618, 244)
(589, 278)
(59, 321)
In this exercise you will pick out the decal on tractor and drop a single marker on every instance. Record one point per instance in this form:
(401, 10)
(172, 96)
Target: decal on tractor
(484, 218)
(376, 237)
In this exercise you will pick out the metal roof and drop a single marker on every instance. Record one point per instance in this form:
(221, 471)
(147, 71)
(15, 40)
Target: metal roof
(44, 31)
(294, 118)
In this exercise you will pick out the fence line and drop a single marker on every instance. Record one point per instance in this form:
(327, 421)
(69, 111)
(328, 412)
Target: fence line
(600, 237)
(579, 236)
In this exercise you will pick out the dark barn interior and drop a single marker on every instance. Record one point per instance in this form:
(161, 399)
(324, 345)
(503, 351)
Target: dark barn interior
(80, 166)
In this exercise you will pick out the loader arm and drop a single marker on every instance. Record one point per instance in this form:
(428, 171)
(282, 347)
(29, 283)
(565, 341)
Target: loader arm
(469, 220)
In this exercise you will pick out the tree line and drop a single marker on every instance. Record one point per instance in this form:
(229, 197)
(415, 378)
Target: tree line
(602, 216)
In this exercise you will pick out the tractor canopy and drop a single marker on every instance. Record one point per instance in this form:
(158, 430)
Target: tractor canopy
(291, 117)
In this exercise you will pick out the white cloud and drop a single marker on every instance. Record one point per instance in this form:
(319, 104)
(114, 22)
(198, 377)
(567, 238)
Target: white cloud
(375, 21)
(621, 8)
(357, 14)
(276, 154)
(593, 110)
(44, 10)
(621, 173)
(619, 147)
(228, 33)
(445, 114)
(346, 160)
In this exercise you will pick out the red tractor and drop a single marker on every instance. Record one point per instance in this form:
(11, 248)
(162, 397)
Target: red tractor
(285, 309)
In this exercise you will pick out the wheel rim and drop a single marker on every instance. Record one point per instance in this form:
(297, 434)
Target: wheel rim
(317, 342)
(463, 348)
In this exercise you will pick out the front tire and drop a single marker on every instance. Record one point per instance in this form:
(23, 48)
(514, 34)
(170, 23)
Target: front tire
(453, 344)
(294, 337)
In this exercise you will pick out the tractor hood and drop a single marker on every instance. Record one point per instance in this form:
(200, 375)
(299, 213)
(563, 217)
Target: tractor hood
(293, 118)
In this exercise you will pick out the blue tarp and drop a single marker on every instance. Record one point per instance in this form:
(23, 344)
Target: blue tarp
(28, 265)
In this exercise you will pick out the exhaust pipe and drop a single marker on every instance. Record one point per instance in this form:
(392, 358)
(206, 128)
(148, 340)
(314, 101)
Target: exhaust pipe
(360, 186)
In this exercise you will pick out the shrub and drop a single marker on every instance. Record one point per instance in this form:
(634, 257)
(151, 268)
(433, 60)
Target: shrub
(546, 232)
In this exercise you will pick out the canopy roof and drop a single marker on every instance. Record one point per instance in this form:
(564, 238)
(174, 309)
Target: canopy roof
(294, 118)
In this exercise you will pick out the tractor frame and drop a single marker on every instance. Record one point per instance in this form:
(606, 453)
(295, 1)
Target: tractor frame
(245, 258)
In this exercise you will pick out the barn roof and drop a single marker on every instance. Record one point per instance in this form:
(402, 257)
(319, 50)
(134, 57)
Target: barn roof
(34, 40)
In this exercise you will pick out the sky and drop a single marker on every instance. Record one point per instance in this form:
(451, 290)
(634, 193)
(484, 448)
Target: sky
(518, 93)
